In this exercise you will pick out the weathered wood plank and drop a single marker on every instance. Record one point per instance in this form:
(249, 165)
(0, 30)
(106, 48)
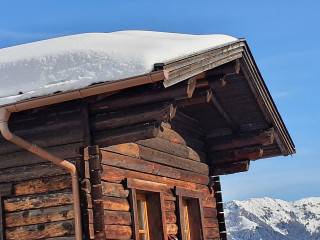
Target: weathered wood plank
(171, 217)
(115, 204)
(149, 186)
(38, 231)
(65, 135)
(126, 134)
(118, 232)
(30, 172)
(117, 175)
(209, 212)
(230, 168)
(44, 215)
(42, 185)
(38, 201)
(169, 206)
(134, 164)
(157, 156)
(117, 218)
(212, 232)
(138, 115)
(114, 190)
(172, 148)
(22, 158)
(211, 222)
(172, 228)
(129, 99)
(235, 155)
(242, 140)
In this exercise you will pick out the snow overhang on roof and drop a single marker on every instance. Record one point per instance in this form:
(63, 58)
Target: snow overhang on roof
(73, 62)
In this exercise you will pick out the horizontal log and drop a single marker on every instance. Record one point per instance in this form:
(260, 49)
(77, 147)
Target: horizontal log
(117, 175)
(173, 161)
(242, 140)
(64, 135)
(114, 190)
(38, 231)
(126, 134)
(115, 204)
(230, 168)
(127, 149)
(201, 98)
(169, 206)
(30, 172)
(117, 218)
(211, 222)
(172, 148)
(135, 98)
(42, 185)
(117, 160)
(171, 217)
(143, 185)
(39, 123)
(148, 113)
(172, 229)
(38, 201)
(209, 202)
(214, 83)
(212, 232)
(209, 212)
(22, 158)
(44, 215)
(235, 155)
(117, 232)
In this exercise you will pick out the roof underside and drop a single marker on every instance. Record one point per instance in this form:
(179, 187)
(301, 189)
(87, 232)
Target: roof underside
(242, 106)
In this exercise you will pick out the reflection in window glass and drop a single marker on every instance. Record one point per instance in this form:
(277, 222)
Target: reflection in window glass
(143, 217)
(185, 217)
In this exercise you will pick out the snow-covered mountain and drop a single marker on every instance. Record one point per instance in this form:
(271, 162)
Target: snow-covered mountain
(267, 218)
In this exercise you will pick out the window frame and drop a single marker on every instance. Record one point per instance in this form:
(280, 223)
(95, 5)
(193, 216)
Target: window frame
(183, 194)
(154, 192)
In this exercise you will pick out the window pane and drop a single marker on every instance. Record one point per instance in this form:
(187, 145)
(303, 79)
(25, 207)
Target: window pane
(141, 215)
(142, 236)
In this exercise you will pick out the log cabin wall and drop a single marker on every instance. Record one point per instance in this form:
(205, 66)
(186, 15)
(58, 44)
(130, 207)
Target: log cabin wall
(143, 138)
(161, 160)
(40, 203)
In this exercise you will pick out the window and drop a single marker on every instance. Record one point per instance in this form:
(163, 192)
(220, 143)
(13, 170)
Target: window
(185, 219)
(147, 209)
(143, 217)
(191, 222)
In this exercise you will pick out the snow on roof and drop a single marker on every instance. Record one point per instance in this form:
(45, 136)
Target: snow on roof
(76, 61)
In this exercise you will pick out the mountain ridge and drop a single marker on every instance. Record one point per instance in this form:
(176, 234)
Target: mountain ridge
(268, 218)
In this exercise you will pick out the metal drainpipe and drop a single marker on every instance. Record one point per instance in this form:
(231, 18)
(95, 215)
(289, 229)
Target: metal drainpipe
(4, 117)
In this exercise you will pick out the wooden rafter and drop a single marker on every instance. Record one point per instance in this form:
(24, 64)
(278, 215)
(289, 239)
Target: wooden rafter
(241, 140)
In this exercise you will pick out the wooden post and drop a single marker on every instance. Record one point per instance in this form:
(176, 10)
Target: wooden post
(5, 190)
(93, 189)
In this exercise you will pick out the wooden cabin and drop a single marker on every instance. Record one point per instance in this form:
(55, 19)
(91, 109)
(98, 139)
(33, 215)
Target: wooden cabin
(148, 154)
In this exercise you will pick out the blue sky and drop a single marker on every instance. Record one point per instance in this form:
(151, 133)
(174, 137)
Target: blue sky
(283, 37)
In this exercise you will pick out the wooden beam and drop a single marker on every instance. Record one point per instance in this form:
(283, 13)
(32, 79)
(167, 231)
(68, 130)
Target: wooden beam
(127, 99)
(214, 82)
(223, 113)
(123, 118)
(241, 140)
(126, 134)
(231, 168)
(201, 98)
(235, 155)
